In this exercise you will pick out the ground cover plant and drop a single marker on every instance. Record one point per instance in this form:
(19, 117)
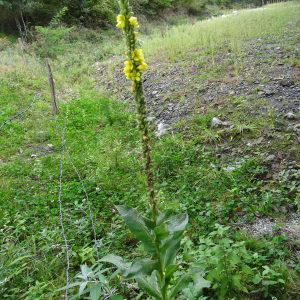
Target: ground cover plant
(233, 181)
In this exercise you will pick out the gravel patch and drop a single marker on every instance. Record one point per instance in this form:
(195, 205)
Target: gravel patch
(270, 226)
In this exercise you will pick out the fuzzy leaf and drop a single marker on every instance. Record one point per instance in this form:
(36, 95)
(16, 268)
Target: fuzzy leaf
(95, 292)
(138, 227)
(148, 285)
(178, 223)
(180, 285)
(117, 261)
(200, 283)
(141, 267)
(86, 271)
(82, 288)
(170, 247)
(171, 244)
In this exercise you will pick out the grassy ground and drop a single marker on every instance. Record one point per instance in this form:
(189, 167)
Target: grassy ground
(102, 143)
(231, 30)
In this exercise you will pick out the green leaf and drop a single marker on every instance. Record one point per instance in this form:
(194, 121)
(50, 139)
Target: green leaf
(257, 279)
(199, 282)
(117, 261)
(82, 287)
(171, 244)
(162, 216)
(95, 292)
(180, 285)
(138, 227)
(169, 249)
(141, 267)
(86, 271)
(170, 270)
(178, 223)
(161, 231)
(117, 297)
(149, 285)
(269, 282)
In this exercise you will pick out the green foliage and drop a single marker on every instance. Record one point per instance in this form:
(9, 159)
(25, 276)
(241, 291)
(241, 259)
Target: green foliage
(95, 282)
(92, 13)
(51, 42)
(4, 43)
(102, 142)
(155, 275)
(234, 269)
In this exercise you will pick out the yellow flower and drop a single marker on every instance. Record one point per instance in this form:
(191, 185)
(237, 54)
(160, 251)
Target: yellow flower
(143, 67)
(134, 22)
(138, 55)
(120, 21)
(128, 68)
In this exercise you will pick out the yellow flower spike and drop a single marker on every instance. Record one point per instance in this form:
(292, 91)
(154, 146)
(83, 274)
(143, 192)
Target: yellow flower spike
(134, 22)
(120, 21)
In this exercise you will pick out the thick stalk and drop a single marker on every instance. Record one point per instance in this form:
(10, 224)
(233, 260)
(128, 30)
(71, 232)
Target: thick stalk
(146, 148)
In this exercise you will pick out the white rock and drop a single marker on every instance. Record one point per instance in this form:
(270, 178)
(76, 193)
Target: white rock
(216, 122)
(162, 129)
(290, 115)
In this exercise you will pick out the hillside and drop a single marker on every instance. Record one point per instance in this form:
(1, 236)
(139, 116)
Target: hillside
(223, 96)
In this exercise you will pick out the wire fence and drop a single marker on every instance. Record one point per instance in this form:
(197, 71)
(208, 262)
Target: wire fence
(65, 151)
(61, 214)
(90, 212)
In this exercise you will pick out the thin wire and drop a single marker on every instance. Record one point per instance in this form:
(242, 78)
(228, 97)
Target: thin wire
(88, 205)
(18, 114)
(61, 218)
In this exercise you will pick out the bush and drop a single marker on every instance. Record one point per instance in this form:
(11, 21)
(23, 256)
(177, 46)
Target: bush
(92, 13)
(51, 42)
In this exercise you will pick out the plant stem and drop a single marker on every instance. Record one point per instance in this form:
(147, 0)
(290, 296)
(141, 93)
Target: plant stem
(145, 139)
(131, 41)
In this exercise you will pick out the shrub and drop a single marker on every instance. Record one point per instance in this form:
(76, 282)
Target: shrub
(51, 42)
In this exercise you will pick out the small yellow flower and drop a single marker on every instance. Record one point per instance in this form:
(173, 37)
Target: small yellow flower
(138, 55)
(143, 67)
(120, 21)
(134, 22)
(128, 69)
(128, 65)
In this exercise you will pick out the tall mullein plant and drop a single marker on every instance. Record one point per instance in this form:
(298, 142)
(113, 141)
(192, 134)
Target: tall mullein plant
(157, 274)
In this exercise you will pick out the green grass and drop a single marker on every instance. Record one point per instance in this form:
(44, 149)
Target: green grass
(231, 31)
(102, 141)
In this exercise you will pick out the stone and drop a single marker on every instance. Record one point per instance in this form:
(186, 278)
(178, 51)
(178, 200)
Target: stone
(286, 82)
(216, 122)
(162, 129)
(150, 119)
(271, 157)
(290, 116)
(49, 147)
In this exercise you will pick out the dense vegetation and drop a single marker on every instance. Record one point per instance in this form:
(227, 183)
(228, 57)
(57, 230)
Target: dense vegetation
(225, 178)
(93, 13)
